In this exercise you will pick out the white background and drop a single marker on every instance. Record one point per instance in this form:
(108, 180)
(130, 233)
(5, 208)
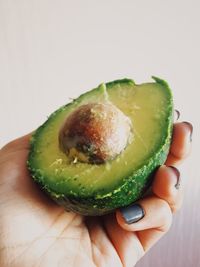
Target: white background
(53, 50)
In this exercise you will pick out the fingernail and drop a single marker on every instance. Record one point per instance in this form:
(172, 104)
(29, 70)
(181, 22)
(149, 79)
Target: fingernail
(176, 114)
(177, 173)
(190, 126)
(132, 214)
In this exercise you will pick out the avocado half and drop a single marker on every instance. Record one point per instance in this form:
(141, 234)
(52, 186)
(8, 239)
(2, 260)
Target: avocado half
(96, 189)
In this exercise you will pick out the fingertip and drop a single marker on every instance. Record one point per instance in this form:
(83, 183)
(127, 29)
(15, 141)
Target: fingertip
(172, 160)
(119, 218)
(121, 221)
(167, 186)
(177, 115)
(190, 128)
(127, 217)
(156, 213)
(181, 140)
(165, 181)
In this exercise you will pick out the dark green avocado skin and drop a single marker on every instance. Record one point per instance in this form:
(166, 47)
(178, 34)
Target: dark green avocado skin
(133, 186)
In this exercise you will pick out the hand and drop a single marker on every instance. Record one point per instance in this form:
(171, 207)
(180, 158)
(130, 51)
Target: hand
(34, 231)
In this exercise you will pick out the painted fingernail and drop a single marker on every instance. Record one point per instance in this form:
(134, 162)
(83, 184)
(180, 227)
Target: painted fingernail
(177, 173)
(190, 126)
(176, 114)
(132, 214)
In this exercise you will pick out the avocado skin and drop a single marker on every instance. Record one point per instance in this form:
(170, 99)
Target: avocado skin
(131, 189)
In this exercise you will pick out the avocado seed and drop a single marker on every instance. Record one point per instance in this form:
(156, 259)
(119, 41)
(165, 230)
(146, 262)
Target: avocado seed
(95, 133)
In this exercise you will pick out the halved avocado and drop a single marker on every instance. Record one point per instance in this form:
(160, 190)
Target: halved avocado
(96, 188)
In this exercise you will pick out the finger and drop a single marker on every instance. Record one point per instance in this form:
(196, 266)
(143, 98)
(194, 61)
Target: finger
(101, 244)
(127, 244)
(166, 185)
(150, 218)
(17, 144)
(181, 143)
(151, 212)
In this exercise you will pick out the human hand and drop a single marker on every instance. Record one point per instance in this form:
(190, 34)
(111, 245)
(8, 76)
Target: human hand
(34, 231)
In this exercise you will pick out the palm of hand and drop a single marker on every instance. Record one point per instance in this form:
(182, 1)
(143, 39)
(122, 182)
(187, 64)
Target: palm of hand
(34, 231)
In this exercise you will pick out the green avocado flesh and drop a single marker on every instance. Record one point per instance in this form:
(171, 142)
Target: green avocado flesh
(97, 189)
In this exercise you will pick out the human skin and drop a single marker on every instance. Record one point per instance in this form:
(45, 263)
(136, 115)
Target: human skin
(34, 231)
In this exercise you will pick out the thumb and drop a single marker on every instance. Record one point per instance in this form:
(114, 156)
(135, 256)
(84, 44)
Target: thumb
(17, 144)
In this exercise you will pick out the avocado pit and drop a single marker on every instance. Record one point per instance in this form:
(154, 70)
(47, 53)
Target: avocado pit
(95, 133)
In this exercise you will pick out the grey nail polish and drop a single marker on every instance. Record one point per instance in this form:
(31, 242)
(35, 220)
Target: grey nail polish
(177, 173)
(176, 114)
(133, 213)
(190, 126)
